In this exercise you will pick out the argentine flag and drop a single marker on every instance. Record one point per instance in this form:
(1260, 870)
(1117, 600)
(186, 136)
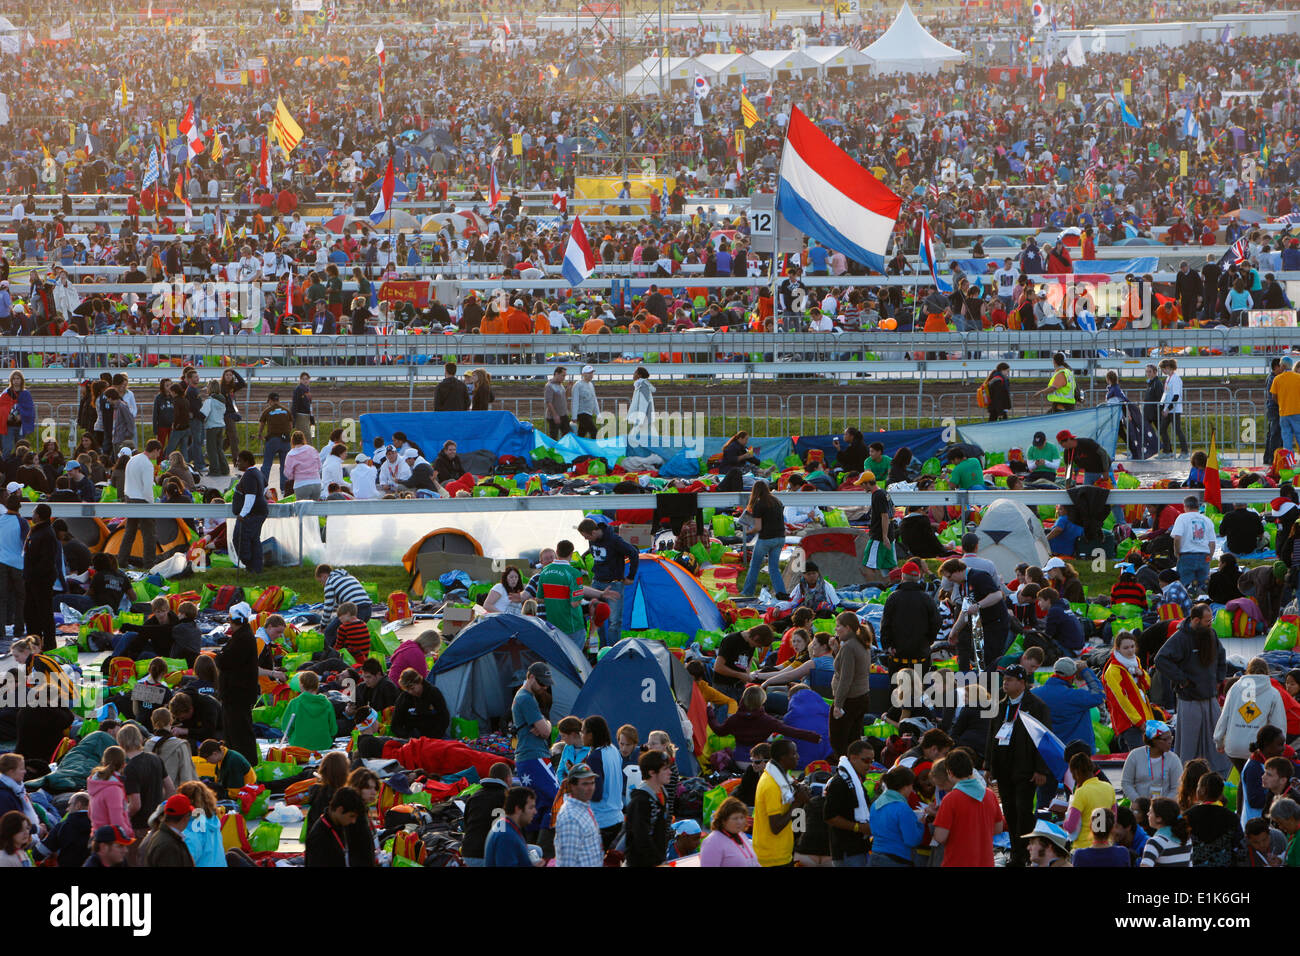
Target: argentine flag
(1049, 745)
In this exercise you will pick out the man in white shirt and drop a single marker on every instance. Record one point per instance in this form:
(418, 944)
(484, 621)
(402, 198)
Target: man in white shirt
(393, 472)
(1194, 542)
(364, 478)
(1006, 281)
(1171, 410)
(138, 486)
(819, 321)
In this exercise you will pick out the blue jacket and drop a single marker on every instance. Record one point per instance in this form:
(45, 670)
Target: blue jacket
(1071, 707)
(809, 711)
(607, 801)
(506, 846)
(894, 827)
(609, 555)
(202, 836)
(1064, 627)
(13, 533)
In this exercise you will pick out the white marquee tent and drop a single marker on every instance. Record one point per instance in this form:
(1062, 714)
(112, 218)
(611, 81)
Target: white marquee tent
(784, 64)
(836, 58)
(907, 47)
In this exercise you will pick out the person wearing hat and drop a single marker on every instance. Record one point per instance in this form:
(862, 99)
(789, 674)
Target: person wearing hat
(365, 478)
(1152, 770)
(1070, 704)
(108, 848)
(910, 622)
(238, 685)
(79, 482)
(165, 846)
(1012, 758)
(586, 406)
(1047, 845)
(1044, 458)
(533, 736)
(394, 471)
(577, 835)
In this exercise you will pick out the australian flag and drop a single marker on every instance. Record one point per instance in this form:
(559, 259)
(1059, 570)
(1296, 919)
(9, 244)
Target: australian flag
(1236, 253)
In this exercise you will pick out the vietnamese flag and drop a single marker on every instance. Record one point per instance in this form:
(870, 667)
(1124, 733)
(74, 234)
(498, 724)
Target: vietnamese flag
(1213, 490)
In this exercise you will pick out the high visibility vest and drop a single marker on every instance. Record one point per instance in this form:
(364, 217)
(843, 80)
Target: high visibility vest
(1065, 394)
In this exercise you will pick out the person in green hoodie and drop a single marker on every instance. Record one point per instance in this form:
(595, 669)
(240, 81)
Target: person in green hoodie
(309, 720)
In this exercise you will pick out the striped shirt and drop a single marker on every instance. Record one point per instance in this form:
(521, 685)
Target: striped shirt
(1163, 850)
(340, 588)
(1129, 592)
(577, 836)
(354, 637)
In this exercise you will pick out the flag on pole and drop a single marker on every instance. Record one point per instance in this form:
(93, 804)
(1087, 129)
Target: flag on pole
(150, 171)
(1191, 128)
(217, 149)
(559, 200)
(288, 299)
(579, 260)
(383, 58)
(747, 111)
(1090, 181)
(385, 202)
(928, 257)
(1225, 37)
(89, 145)
(122, 91)
(767, 98)
(264, 163)
(1042, 85)
(1236, 253)
(825, 194)
(701, 87)
(187, 121)
(1213, 487)
(183, 193)
(1126, 114)
(1049, 745)
(288, 133)
(494, 191)
(505, 25)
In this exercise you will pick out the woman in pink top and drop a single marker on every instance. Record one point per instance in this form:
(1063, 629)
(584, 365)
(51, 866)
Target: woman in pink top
(302, 467)
(728, 844)
(413, 654)
(108, 793)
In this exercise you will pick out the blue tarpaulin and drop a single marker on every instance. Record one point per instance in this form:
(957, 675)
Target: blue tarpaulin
(1100, 424)
(924, 443)
(498, 432)
(612, 449)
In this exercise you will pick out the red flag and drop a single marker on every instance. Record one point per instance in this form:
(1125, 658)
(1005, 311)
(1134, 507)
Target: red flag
(264, 165)
(1213, 489)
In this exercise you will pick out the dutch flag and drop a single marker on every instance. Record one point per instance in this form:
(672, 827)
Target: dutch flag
(1049, 745)
(385, 201)
(579, 260)
(829, 197)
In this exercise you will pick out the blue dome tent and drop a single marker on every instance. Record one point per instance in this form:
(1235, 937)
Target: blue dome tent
(666, 596)
(641, 683)
(482, 668)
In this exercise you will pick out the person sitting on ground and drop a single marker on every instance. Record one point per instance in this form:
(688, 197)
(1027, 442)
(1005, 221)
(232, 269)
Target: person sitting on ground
(309, 721)
(233, 771)
(420, 710)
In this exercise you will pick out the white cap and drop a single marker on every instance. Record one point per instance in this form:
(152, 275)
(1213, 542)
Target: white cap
(362, 456)
(588, 368)
(410, 453)
(1053, 563)
(124, 451)
(13, 486)
(241, 612)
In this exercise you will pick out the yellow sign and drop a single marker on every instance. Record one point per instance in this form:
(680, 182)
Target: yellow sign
(517, 144)
(1128, 86)
(1182, 81)
(172, 131)
(1182, 162)
(1060, 92)
(1249, 711)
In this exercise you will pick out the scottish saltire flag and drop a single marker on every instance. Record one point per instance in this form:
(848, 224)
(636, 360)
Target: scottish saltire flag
(579, 260)
(927, 255)
(1126, 114)
(1049, 745)
(385, 201)
(1236, 253)
(1191, 128)
(826, 195)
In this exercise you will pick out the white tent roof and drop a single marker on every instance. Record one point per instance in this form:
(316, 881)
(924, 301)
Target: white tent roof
(774, 60)
(643, 79)
(907, 47)
(722, 66)
(828, 57)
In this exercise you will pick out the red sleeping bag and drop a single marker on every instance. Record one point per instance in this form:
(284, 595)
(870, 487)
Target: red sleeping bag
(440, 757)
(1292, 709)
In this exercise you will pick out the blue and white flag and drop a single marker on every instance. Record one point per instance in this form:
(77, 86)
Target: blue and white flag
(151, 171)
(1126, 114)
(1049, 745)
(1191, 128)
(1225, 37)
(928, 257)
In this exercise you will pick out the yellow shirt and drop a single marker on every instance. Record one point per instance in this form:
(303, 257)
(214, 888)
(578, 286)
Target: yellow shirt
(772, 849)
(1287, 389)
(1087, 797)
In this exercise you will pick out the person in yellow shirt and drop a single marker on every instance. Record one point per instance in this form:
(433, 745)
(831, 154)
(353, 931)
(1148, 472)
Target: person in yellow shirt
(1091, 793)
(776, 799)
(1286, 386)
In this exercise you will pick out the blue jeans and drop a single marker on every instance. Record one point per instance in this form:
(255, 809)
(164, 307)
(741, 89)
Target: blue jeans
(8, 440)
(275, 445)
(879, 859)
(612, 629)
(768, 549)
(856, 859)
(198, 437)
(1194, 568)
(472, 861)
(1290, 425)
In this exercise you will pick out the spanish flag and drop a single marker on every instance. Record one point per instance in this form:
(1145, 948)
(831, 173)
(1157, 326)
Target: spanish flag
(217, 148)
(1213, 489)
(288, 133)
(747, 111)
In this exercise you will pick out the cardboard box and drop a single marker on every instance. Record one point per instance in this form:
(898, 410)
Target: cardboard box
(455, 618)
(640, 536)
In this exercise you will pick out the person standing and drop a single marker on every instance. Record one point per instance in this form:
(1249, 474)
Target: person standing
(765, 509)
(556, 398)
(451, 395)
(1151, 412)
(17, 413)
(586, 407)
(165, 847)
(274, 428)
(42, 563)
(13, 541)
(532, 737)
(1272, 413)
(641, 412)
(238, 686)
(138, 487)
(1152, 770)
(1286, 386)
(304, 416)
(195, 402)
(614, 565)
(250, 513)
(910, 622)
(1013, 759)
(851, 684)
(847, 812)
(1171, 410)
(231, 384)
(1060, 388)
(483, 808)
(506, 845)
(1194, 541)
(776, 798)
(1194, 661)
(577, 835)
(647, 812)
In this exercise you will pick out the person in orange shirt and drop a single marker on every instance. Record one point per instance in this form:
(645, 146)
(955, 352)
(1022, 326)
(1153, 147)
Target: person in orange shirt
(937, 321)
(517, 321)
(1167, 314)
(494, 322)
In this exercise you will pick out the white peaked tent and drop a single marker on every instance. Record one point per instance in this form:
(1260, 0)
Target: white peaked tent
(1010, 533)
(722, 68)
(907, 47)
(835, 58)
(645, 78)
(782, 64)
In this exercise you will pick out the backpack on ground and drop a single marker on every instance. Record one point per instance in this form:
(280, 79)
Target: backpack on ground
(399, 606)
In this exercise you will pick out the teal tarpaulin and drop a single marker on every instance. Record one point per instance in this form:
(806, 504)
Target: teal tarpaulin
(1100, 424)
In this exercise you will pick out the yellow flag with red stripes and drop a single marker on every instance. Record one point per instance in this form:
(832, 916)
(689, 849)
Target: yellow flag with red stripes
(747, 111)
